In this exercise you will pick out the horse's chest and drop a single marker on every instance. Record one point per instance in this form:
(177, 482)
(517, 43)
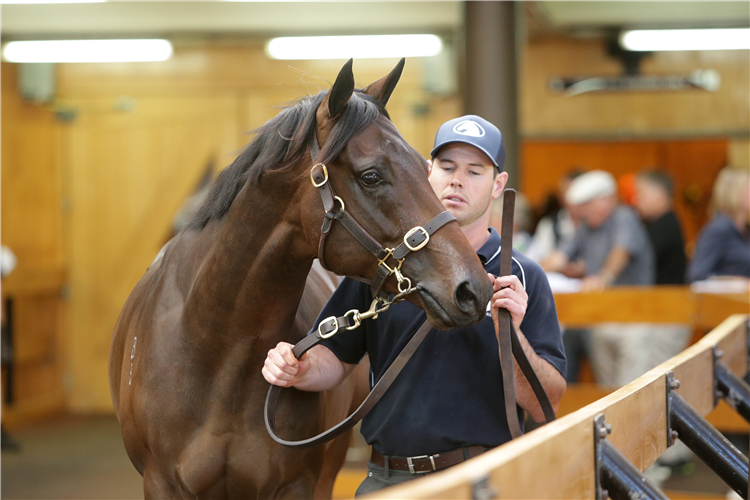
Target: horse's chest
(216, 465)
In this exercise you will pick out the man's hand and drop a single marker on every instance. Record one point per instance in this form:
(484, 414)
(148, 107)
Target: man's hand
(282, 368)
(509, 294)
(593, 283)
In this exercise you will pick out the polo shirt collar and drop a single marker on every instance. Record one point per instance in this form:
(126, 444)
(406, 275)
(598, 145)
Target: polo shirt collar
(489, 249)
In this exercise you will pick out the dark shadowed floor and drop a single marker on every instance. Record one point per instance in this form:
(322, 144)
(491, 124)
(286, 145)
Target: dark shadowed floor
(83, 458)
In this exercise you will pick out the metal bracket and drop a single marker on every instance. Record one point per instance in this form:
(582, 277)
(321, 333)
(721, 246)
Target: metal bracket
(601, 430)
(717, 355)
(671, 384)
(481, 489)
(710, 445)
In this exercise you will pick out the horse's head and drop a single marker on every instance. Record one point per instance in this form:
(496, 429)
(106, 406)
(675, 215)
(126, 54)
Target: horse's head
(383, 183)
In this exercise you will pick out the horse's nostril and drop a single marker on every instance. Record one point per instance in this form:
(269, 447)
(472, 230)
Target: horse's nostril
(465, 298)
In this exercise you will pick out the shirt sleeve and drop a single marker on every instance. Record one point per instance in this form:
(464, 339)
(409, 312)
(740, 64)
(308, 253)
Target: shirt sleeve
(572, 248)
(708, 253)
(629, 232)
(348, 345)
(540, 325)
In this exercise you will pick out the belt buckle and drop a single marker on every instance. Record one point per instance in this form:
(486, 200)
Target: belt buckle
(410, 462)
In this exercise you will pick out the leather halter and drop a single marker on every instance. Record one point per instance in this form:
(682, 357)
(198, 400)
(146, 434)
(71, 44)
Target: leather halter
(508, 343)
(414, 240)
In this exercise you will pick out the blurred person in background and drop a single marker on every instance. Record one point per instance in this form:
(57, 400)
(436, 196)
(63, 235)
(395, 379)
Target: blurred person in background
(611, 240)
(616, 250)
(654, 195)
(653, 198)
(723, 246)
(558, 223)
(8, 263)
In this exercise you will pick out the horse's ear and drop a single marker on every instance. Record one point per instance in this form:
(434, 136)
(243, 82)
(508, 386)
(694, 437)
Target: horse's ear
(382, 89)
(341, 91)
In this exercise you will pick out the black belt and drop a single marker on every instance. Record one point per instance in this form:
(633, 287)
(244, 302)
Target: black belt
(427, 463)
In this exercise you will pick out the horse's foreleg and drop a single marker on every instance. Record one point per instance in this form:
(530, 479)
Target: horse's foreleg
(334, 457)
(158, 487)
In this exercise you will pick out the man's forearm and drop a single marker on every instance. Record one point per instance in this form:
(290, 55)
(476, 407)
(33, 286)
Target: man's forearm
(616, 261)
(552, 381)
(555, 263)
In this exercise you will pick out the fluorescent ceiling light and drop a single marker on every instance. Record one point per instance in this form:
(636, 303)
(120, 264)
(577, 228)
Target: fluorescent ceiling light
(90, 51)
(49, 1)
(358, 47)
(704, 39)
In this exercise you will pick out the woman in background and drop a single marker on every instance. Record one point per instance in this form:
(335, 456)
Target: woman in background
(723, 247)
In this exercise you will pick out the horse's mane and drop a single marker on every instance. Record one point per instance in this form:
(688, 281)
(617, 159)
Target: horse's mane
(280, 144)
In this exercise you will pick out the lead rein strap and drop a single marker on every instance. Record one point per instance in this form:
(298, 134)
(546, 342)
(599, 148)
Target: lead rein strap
(503, 320)
(507, 336)
(377, 392)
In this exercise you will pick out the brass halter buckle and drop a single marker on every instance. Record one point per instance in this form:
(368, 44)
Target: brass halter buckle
(334, 323)
(325, 175)
(421, 245)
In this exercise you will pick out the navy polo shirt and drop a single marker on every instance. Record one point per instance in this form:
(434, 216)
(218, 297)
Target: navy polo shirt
(450, 393)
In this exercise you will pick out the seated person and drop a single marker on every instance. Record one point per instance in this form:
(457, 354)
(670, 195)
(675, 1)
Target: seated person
(723, 247)
(615, 250)
(654, 194)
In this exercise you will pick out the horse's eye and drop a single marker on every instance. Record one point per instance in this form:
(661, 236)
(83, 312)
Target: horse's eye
(370, 178)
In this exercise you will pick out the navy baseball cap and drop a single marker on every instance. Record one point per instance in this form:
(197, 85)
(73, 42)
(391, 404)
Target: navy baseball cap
(474, 130)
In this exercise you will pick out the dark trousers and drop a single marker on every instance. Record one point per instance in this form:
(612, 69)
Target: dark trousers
(577, 344)
(377, 479)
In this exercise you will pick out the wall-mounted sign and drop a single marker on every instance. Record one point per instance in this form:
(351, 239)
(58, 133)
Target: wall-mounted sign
(700, 79)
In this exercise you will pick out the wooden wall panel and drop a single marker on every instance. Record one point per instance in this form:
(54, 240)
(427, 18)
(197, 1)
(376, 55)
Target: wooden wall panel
(627, 114)
(143, 133)
(141, 138)
(129, 174)
(32, 228)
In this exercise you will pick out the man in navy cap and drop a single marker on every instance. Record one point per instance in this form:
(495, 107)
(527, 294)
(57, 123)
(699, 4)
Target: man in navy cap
(447, 404)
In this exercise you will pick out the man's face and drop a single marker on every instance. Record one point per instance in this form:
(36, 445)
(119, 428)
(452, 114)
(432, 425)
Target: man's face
(465, 181)
(649, 199)
(597, 211)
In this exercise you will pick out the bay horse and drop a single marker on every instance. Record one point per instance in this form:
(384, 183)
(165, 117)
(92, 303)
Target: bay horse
(190, 342)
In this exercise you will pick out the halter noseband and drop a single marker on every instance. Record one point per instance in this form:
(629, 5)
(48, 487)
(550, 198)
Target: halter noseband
(414, 240)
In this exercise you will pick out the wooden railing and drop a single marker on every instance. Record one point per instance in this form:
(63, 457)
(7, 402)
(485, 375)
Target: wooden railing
(557, 460)
(660, 304)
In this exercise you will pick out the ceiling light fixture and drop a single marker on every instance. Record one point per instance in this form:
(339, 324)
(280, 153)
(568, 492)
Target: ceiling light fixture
(696, 39)
(26, 2)
(88, 51)
(359, 47)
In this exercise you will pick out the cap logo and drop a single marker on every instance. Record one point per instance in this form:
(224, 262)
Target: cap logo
(470, 128)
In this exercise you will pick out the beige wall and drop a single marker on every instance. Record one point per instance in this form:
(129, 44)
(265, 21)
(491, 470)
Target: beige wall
(90, 201)
(141, 140)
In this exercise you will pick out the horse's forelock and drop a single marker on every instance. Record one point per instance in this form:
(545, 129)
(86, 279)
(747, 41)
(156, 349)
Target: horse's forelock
(360, 112)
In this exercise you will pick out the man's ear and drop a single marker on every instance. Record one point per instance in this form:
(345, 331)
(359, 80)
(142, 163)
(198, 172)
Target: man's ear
(501, 180)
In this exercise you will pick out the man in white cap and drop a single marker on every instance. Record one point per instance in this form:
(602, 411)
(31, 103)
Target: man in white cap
(611, 241)
(447, 404)
(615, 249)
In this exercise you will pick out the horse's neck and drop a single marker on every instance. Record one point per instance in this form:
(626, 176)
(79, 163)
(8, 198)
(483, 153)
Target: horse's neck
(251, 280)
